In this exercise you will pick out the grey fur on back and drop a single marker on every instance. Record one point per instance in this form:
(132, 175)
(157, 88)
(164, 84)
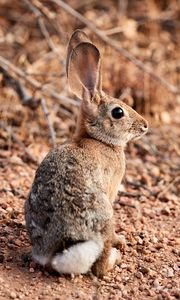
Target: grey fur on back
(67, 202)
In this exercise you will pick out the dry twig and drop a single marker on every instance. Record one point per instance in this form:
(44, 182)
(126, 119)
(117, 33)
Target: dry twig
(123, 203)
(27, 100)
(65, 101)
(44, 10)
(20, 143)
(129, 195)
(138, 185)
(24, 96)
(170, 87)
(51, 128)
(167, 187)
(42, 26)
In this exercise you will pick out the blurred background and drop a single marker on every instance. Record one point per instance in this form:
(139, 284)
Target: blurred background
(33, 41)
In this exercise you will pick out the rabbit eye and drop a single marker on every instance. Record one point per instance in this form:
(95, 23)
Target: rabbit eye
(117, 112)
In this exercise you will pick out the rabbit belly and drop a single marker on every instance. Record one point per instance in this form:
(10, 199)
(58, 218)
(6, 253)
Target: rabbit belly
(78, 259)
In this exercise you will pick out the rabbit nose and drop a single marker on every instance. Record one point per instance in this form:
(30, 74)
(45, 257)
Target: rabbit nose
(144, 126)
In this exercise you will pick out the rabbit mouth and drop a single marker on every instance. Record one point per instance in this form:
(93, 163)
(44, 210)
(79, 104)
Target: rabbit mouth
(138, 135)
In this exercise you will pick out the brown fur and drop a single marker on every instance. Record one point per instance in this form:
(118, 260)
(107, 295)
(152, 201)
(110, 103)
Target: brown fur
(101, 265)
(75, 185)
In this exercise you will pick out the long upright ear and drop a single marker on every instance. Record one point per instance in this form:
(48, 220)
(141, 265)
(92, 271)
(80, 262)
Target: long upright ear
(84, 70)
(77, 37)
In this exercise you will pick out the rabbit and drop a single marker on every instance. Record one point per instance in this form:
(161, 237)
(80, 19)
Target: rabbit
(69, 210)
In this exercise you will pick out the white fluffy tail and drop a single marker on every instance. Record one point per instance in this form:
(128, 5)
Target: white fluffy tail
(77, 259)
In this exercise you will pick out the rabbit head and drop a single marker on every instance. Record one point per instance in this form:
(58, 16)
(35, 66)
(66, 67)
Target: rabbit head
(102, 117)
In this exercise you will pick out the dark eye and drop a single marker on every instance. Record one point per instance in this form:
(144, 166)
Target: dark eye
(117, 112)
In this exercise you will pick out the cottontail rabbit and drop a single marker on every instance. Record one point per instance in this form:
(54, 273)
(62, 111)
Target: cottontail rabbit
(69, 214)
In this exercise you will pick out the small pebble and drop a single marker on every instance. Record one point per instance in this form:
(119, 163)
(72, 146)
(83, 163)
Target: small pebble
(177, 241)
(156, 283)
(1, 258)
(32, 264)
(9, 209)
(118, 278)
(26, 293)
(176, 293)
(170, 272)
(159, 246)
(165, 211)
(123, 266)
(143, 270)
(139, 275)
(175, 267)
(31, 270)
(12, 295)
(149, 259)
(17, 242)
(155, 171)
(139, 240)
(154, 239)
(4, 205)
(152, 273)
(1, 280)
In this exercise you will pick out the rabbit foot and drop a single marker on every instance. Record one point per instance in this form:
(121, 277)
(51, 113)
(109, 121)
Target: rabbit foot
(114, 258)
(107, 261)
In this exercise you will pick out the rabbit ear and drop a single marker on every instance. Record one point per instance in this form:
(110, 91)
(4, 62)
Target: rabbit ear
(84, 70)
(77, 37)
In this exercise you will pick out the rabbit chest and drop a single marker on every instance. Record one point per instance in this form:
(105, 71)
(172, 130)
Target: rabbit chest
(113, 167)
(109, 164)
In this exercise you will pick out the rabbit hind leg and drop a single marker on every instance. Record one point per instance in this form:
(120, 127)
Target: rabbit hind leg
(109, 257)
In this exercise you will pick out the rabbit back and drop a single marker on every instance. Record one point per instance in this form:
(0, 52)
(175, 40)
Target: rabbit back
(68, 201)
